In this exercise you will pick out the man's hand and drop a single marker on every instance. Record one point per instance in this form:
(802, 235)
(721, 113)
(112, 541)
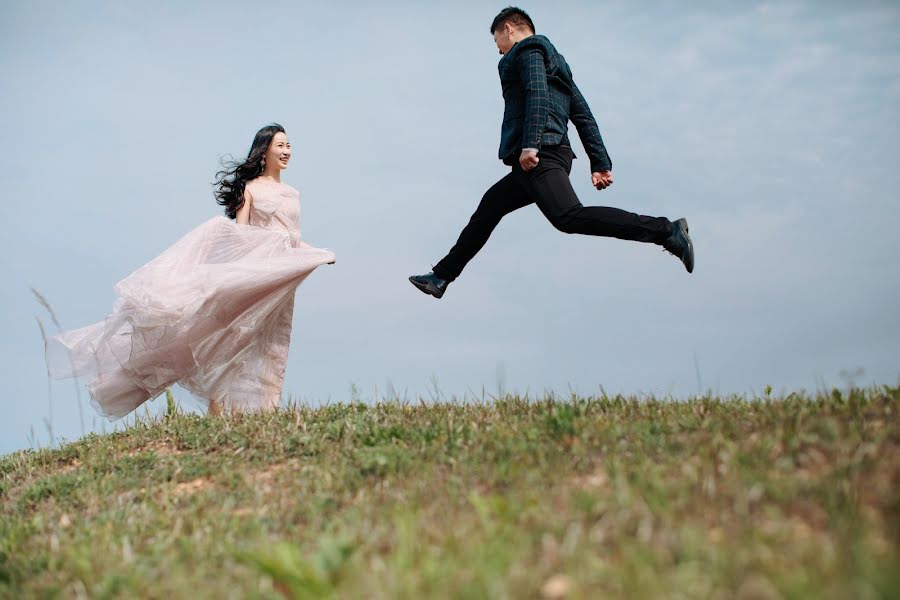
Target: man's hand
(602, 180)
(529, 159)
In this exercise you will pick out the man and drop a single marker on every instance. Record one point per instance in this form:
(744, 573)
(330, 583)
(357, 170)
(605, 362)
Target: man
(541, 98)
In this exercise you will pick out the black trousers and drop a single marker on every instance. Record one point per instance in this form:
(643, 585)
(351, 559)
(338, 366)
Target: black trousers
(548, 186)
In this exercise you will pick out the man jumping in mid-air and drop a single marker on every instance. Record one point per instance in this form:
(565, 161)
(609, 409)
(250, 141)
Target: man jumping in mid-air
(541, 98)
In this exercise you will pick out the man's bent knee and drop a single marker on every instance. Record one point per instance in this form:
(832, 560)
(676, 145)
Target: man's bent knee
(564, 223)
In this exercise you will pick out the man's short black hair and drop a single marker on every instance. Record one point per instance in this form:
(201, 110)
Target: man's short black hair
(513, 15)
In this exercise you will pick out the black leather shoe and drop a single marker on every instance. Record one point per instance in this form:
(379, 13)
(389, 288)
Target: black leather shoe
(679, 244)
(430, 284)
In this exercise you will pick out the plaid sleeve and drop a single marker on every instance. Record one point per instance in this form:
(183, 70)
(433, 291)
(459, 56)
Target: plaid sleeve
(581, 116)
(537, 97)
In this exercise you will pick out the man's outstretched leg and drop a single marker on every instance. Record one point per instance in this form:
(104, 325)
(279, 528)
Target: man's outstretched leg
(552, 190)
(504, 197)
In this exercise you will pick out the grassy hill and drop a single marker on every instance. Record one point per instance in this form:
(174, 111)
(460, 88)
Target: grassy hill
(580, 497)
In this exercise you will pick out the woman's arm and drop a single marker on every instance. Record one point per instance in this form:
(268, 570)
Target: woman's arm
(243, 214)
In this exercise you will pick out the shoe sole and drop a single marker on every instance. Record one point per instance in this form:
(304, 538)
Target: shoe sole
(684, 224)
(426, 288)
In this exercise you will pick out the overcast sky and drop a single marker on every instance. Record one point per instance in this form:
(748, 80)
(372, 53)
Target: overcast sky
(773, 127)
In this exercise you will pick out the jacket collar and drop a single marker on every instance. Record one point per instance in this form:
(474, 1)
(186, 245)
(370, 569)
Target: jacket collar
(532, 41)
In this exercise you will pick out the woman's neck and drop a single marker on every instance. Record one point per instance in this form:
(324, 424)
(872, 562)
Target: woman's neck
(273, 174)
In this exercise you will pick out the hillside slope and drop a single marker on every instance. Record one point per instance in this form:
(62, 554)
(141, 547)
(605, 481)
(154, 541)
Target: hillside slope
(577, 497)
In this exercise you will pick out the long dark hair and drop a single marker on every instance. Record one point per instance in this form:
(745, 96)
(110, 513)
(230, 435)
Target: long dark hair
(233, 178)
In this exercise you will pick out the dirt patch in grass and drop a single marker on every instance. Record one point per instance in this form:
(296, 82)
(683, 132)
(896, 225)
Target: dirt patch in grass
(596, 480)
(192, 487)
(161, 447)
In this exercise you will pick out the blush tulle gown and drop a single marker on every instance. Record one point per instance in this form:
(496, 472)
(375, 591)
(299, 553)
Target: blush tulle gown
(211, 313)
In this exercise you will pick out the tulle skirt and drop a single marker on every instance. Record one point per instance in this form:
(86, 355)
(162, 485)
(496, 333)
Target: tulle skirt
(212, 313)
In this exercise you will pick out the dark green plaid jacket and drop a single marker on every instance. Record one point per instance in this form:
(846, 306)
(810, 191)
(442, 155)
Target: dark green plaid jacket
(541, 98)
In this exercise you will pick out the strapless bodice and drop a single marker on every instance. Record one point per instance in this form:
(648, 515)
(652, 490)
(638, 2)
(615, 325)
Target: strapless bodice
(275, 206)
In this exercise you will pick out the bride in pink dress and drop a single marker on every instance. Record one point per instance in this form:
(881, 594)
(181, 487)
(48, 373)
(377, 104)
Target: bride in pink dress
(213, 312)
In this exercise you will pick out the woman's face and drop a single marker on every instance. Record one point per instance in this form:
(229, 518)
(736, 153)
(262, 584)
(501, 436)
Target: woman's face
(279, 152)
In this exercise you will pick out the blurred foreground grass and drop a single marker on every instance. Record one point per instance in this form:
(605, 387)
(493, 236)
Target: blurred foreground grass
(579, 498)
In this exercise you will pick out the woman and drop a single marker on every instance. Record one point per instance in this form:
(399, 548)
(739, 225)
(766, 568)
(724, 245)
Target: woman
(213, 312)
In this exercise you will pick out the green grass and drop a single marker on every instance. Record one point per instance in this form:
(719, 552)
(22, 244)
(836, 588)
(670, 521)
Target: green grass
(581, 498)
